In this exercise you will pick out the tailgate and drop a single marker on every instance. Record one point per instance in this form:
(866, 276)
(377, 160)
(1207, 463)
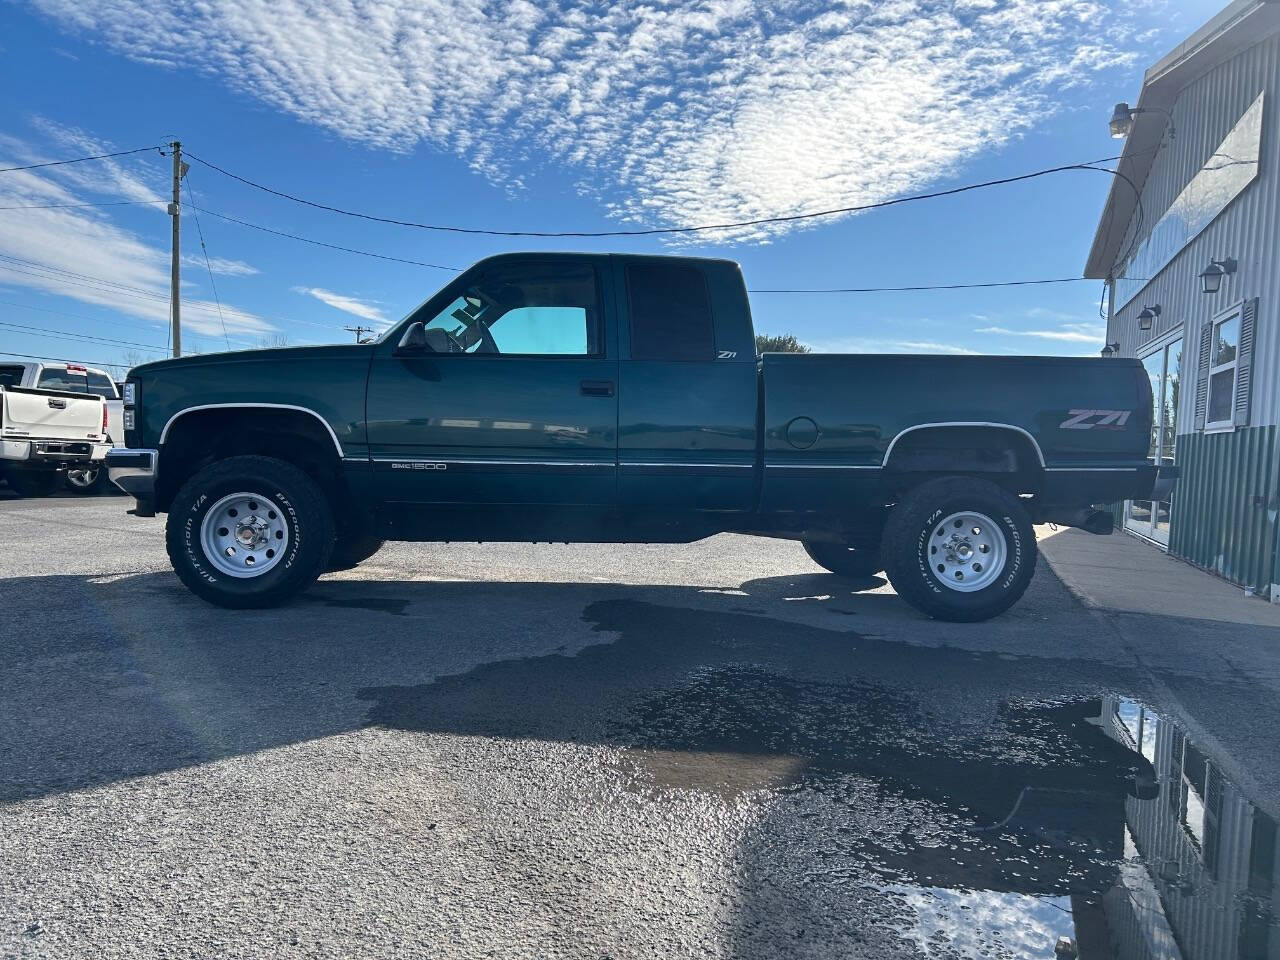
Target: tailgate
(49, 414)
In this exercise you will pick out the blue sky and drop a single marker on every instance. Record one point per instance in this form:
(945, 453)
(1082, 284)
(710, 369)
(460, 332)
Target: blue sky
(563, 115)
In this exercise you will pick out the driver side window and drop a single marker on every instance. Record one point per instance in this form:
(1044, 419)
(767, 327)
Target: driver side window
(533, 309)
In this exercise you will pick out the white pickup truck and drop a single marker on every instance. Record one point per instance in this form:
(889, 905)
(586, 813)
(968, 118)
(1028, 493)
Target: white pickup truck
(50, 425)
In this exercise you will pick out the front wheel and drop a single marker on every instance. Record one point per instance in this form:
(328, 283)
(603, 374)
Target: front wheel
(249, 532)
(959, 549)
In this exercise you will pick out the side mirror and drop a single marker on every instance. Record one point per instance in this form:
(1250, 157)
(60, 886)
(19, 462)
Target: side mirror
(413, 341)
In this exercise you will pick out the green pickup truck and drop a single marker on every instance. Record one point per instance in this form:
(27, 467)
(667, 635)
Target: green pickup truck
(619, 399)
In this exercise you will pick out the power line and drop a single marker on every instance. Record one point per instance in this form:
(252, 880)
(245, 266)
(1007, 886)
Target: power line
(63, 206)
(936, 286)
(81, 283)
(97, 283)
(78, 316)
(58, 163)
(35, 264)
(205, 308)
(37, 356)
(208, 266)
(656, 231)
(67, 335)
(321, 243)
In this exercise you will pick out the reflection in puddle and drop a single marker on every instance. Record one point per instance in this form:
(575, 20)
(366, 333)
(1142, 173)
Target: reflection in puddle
(1085, 828)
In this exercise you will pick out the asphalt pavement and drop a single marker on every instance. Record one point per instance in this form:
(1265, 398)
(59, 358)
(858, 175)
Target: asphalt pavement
(711, 750)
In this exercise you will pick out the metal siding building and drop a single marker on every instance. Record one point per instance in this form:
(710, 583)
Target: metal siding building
(1224, 508)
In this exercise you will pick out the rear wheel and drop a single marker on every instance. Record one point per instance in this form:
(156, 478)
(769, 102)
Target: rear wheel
(86, 479)
(844, 561)
(351, 550)
(960, 549)
(249, 532)
(32, 483)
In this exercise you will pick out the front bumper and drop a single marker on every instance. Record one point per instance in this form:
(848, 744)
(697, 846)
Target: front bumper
(134, 472)
(53, 453)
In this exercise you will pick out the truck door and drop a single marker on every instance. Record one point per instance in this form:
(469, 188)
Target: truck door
(515, 401)
(688, 390)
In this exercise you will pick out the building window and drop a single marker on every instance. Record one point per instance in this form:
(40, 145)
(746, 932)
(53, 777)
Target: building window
(1224, 346)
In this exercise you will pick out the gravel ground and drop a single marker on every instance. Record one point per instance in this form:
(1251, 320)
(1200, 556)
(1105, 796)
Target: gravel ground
(713, 750)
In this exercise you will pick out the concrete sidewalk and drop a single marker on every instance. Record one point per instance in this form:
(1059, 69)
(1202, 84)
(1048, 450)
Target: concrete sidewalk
(1121, 572)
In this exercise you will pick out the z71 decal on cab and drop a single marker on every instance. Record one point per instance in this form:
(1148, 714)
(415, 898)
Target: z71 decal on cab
(1095, 420)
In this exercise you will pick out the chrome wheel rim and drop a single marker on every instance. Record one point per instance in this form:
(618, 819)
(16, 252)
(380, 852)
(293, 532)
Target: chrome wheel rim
(82, 478)
(966, 551)
(244, 535)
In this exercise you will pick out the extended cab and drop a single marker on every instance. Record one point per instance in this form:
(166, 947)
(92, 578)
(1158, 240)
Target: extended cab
(611, 398)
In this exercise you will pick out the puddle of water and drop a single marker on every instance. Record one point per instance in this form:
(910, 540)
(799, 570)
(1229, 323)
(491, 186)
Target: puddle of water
(726, 774)
(901, 800)
(1081, 828)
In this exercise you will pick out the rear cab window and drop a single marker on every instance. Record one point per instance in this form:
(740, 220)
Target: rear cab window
(11, 375)
(670, 311)
(95, 384)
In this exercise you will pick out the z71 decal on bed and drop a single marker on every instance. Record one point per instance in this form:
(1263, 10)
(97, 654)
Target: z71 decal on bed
(1095, 420)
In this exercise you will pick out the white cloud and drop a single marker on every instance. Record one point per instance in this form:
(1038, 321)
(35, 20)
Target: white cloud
(674, 112)
(932, 346)
(83, 254)
(220, 265)
(357, 308)
(1067, 333)
(872, 345)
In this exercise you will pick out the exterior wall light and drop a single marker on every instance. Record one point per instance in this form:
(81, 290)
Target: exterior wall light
(1212, 275)
(1121, 121)
(1111, 349)
(1147, 317)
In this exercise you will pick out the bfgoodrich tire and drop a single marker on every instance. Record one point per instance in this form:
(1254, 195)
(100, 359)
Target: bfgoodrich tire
(844, 561)
(249, 532)
(959, 549)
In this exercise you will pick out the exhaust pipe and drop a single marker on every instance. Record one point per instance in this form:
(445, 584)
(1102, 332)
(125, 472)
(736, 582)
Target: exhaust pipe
(1093, 521)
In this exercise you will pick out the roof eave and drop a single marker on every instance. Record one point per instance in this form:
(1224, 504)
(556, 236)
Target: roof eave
(1225, 35)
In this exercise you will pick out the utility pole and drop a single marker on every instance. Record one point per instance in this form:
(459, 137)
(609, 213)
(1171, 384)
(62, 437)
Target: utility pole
(359, 331)
(175, 212)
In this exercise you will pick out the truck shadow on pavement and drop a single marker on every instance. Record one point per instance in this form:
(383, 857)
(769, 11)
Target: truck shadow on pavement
(133, 676)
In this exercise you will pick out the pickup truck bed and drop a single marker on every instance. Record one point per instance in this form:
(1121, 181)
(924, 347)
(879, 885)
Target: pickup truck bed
(620, 399)
(44, 431)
